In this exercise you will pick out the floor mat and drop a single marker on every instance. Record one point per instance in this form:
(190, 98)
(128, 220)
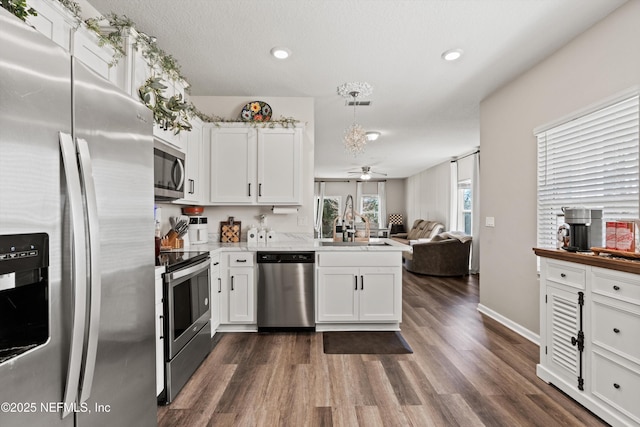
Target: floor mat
(365, 342)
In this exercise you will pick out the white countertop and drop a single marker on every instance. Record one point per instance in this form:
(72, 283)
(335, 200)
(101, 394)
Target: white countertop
(378, 245)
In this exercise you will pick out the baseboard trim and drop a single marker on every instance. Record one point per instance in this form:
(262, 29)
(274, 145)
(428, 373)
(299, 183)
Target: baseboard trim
(515, 327)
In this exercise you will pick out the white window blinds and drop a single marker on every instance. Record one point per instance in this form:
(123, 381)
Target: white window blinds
(591, 161)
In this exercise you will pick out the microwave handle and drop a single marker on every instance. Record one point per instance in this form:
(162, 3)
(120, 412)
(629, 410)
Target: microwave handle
(178, 181)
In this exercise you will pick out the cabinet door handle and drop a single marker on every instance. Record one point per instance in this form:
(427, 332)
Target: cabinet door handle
(249, 189)
(260, 190)
(216, 263)
(231, 282)
(219, 285)
(616, 287)
(361, 282)
(616, 330)
(241, 260)
(616, 385)
(356, 277)
(563, 275)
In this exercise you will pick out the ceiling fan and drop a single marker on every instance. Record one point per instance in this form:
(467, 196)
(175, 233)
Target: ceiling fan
(366, 172)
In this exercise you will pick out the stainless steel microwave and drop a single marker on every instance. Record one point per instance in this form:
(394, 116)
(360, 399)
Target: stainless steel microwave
(168, 172)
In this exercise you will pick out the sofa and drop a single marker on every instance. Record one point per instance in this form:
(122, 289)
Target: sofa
(447, 254)
(421, 229)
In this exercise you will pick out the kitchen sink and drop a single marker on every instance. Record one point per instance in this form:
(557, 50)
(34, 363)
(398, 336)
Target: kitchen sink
(354, 244)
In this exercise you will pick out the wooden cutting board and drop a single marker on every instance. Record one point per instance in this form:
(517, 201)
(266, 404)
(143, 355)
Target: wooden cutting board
(230, 231)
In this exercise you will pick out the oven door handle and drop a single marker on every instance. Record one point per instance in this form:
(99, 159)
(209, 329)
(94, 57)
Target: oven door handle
(193, 270)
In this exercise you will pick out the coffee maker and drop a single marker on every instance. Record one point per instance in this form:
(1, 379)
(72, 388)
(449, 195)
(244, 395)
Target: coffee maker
(585, 228)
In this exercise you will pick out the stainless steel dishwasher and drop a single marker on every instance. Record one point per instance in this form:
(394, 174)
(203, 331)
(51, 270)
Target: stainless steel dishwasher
(285, 290)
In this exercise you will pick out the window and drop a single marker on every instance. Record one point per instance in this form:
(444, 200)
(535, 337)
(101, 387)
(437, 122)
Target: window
(464, 206)
(590, 161)
(331, 209)
(370, 207)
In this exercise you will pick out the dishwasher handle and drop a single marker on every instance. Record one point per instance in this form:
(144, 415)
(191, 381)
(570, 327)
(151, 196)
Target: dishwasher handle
(286, 257)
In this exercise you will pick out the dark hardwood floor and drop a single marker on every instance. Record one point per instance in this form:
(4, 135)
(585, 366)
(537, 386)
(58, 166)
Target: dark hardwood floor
(466, 370)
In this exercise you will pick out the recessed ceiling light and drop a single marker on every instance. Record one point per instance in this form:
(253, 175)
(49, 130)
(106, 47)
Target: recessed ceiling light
(280, 52)
(372, 135)
(452, 55)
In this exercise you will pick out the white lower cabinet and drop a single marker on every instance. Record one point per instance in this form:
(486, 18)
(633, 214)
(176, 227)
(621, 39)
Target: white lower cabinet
(589, 346)
(159, 332)
(242, 307)
(216, 292)
(358, 289)
(238, 291)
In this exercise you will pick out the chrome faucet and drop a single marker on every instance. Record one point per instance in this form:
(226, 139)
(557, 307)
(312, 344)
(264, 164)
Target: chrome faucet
(348, 206)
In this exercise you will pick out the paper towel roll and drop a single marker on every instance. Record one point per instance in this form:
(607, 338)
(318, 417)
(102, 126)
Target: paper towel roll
(283, 210)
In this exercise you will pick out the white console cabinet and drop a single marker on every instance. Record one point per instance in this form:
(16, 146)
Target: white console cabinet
(358, 290)
(589, 341)
(253, 166)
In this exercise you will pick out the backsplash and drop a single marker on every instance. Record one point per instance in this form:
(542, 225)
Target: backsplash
(286, 226)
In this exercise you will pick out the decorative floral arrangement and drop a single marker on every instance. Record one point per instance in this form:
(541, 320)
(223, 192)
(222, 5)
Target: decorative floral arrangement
(285, 122)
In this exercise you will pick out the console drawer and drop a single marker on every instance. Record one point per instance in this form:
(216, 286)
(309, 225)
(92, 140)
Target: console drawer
(617, 329)
(615, 284)
(616, 385)
(566, 273)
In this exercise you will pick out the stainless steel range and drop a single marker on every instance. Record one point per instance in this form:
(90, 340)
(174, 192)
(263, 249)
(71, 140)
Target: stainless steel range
(187, 312)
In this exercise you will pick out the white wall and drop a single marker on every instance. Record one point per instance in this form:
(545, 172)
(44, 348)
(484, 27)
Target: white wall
(428, 195)
(599, 63)
(229, 107)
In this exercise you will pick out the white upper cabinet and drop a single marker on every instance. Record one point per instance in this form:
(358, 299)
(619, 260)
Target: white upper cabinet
(87, 48)
(54, 21)
(279, 163)
(255, 166)
(60, 25)
(194, 168)
(233, 165)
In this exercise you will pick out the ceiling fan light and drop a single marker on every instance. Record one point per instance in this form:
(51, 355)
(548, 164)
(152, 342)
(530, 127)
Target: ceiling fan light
(373, 135)
(365, 177)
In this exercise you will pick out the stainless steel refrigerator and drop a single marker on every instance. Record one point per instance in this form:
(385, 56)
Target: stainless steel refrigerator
(76, 175)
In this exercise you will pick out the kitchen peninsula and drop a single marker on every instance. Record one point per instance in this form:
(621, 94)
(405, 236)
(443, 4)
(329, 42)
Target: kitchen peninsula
(358, 285)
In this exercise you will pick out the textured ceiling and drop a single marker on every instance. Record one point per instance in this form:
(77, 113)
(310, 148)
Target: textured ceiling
(426, 109)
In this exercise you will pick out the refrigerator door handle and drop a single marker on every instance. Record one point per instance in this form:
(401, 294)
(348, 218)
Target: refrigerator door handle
(95, 286)
(79, 270)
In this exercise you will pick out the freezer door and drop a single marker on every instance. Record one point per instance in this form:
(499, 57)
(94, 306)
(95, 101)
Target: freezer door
(35, 105)
(114, 134)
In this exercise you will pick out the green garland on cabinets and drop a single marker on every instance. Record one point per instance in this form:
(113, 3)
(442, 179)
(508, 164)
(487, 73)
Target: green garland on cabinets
(19, 8)
(169, 113)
